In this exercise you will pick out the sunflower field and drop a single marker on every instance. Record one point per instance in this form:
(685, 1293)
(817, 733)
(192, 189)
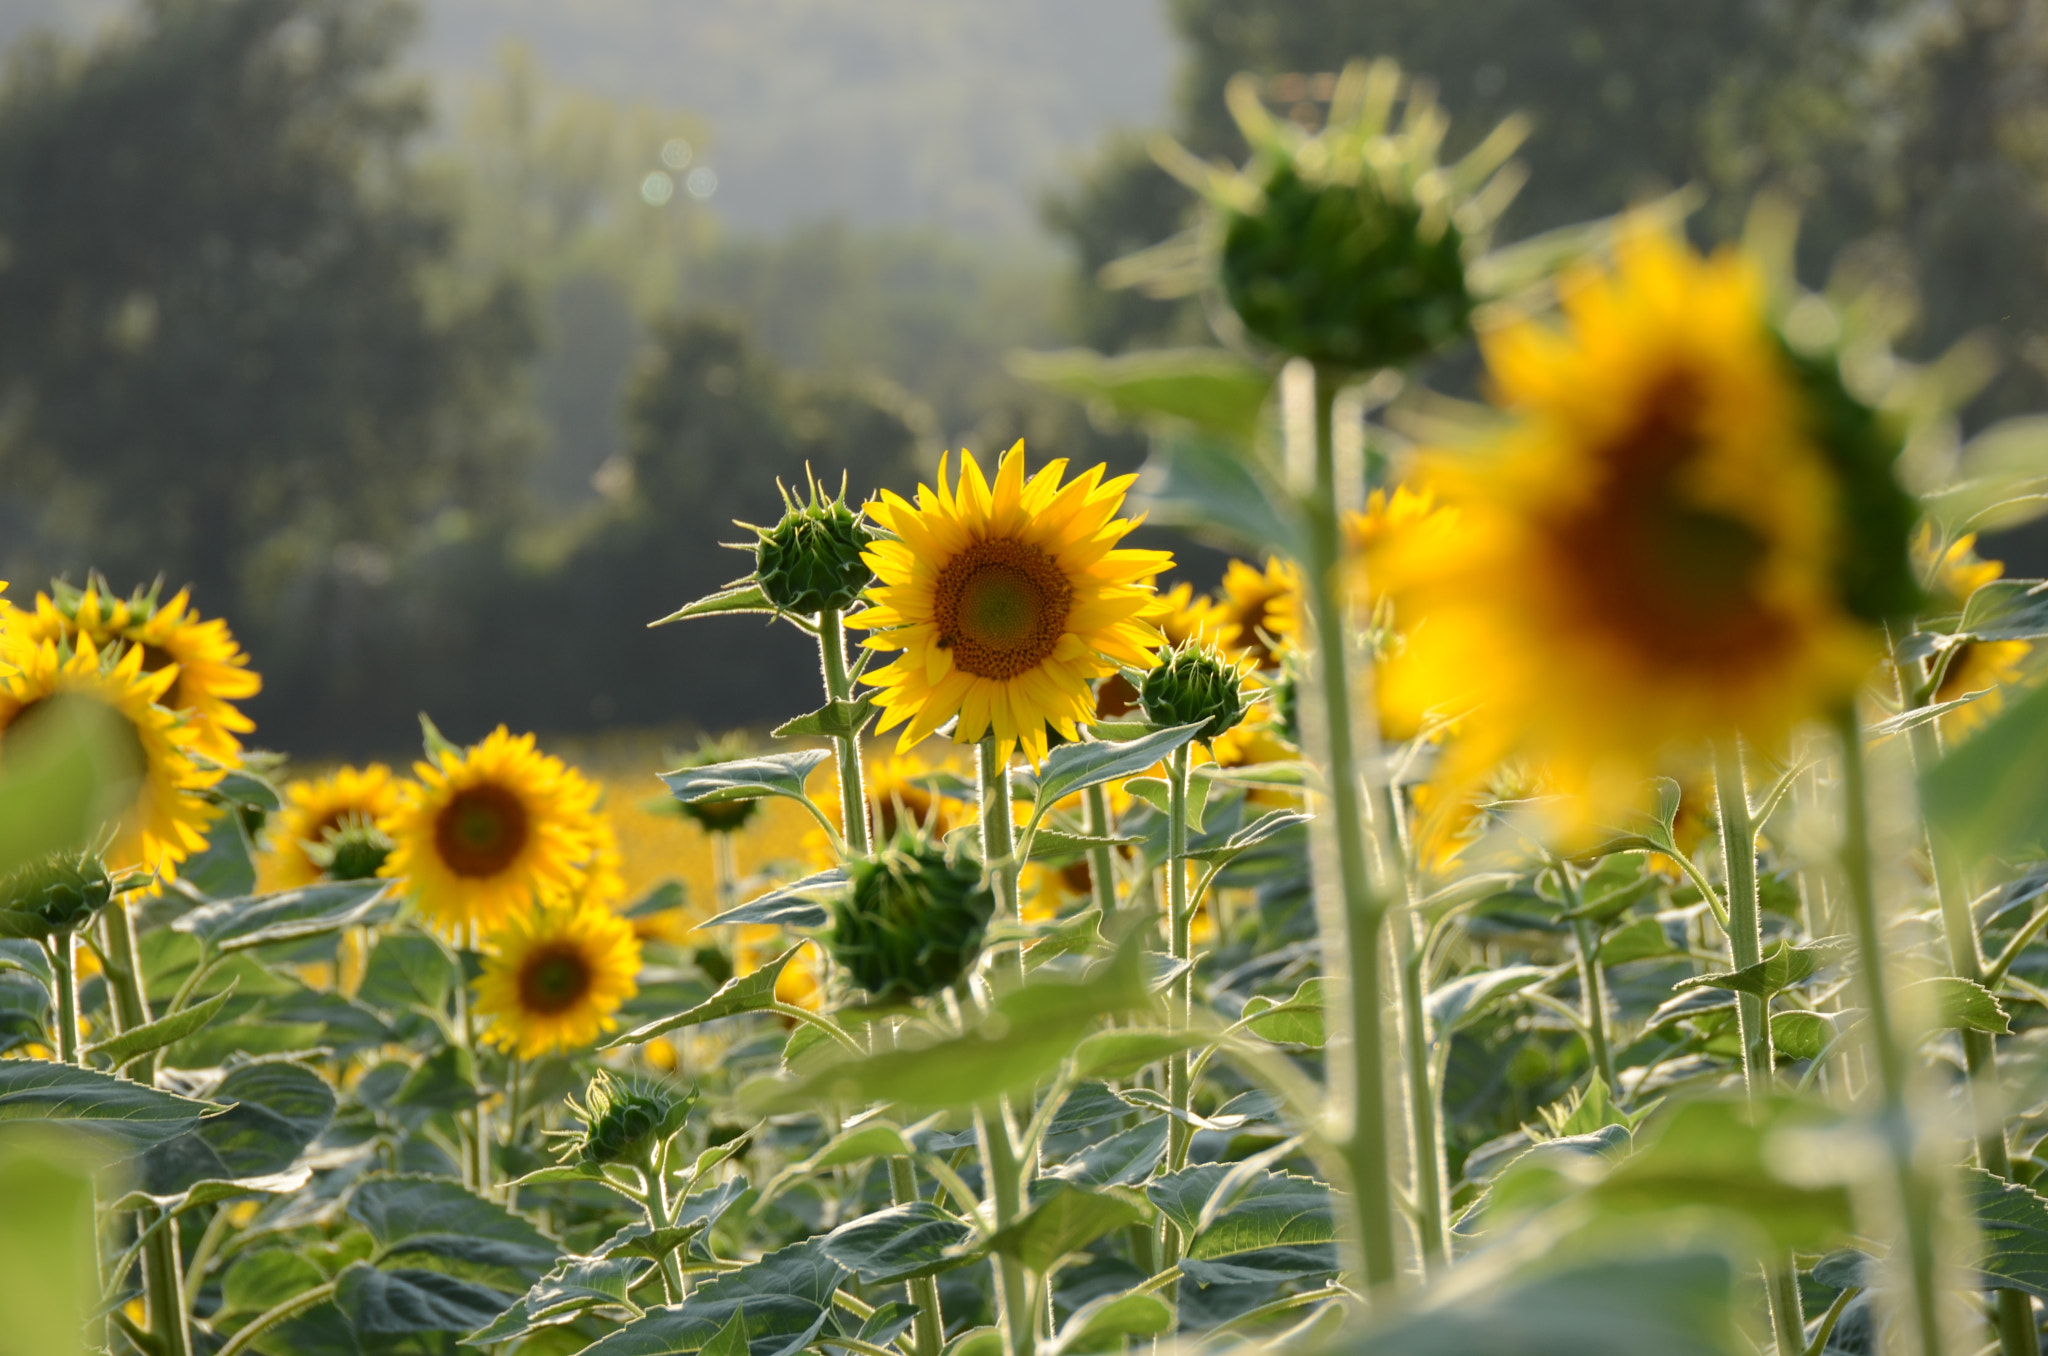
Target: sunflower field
(1573, 889)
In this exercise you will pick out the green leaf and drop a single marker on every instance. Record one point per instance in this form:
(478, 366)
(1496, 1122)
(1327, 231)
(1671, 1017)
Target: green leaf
(577, 1285)
(287, 916)
(1673, 1305)
(1155, 792)
(1124, 1159)
(1076, 767)
(1250, 836)
(1463, 1001)
(437, 1222)
(774, 774)
(899, 1244)
(1103, 1324)
(780, 1302)
(1783, 967)
(275, 1110)
(1801, 1035)
(1637, 939)
(833, 720)
(856, 1144)
(787, 906)
(1209, 388)
(239, 786)
(407, 970)
(1296, 1020)
(1066, 1219)
(2012, 1225)
(151, 1036)
(743, 993)
(1021, 1040)
(259, 1281)
(745, 596)
(2007, 609)
(443, 1081)
(1277, 1227)
(2001, 479)
(122, 1114)
(1183, 1196)
(1960, 1003)
(1053, 845)
(1988, 796)
(637, 1240)
(407, 1299)
(1217, 492)
(1125, 1050)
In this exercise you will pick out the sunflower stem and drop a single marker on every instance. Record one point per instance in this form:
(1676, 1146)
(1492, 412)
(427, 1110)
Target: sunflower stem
(1592, 981)
(655, 1165)
(725, 870)
(1014, 1316)
(1099, 823)
(2017, 1335)
(928, 1328)
(1425, 1085)
(1917, 1194)
(853, 800)
(1753, 1011)
(1180, 998)
(63, 953)
(1352, 912)
(998, 832)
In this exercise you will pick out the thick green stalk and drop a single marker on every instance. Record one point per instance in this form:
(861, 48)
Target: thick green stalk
(853, 798)
(1593, 999)
(1355, 914)
(1752, 1011)
(1918, 1196)
(124, 972)
(63, 952)
(1099, 823)
(1180, 941)
(659, 1217)
(928, 1329)
(1432, 1205)
(1004, 1184)
(998, 833)
(2017, 1335)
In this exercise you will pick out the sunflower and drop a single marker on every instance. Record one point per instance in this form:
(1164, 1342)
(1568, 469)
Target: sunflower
(1253, 744)
(165, 821)
(1648, 556)
(212, 671)
(1260, 611)
(487, 831)
(1005, 602)
(1987, 666)
(344, 798)
(1181, 615)
(554, 975)
(1416, 522)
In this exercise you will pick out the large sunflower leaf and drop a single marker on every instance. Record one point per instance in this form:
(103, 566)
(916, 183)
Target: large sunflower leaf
(578, 1284)
(1278, 1227)
(286, 916)
(2013, 1223)
(773, 774)
(438, 1222)
(1065, 1218)
(787, 906)
(750, 992)
(1988, 796)
(1124, 1159)
(2007, 609)
(150, 1036)
(781, 1302)
(408, 1299)
(1076, 767)
(275, 1110)
(1216, 491)
(1103, 1324)
(745, 596)
(899, 1243)
(123, 1114)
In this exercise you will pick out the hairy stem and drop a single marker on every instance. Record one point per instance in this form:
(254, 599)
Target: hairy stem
(1014, 1316)
(62, 950)
(928, 1329)
(853, 800)
(1100, 823)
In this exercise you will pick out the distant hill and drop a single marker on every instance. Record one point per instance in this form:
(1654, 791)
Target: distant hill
(948, 113)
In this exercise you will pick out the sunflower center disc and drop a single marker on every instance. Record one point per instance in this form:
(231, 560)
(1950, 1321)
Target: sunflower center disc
(1001, 607)
(481, 830)
(553, 980)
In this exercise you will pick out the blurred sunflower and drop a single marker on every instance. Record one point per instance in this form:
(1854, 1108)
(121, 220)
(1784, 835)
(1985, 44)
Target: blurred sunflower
(1253, 744)
(1005, 603)
(488, 831)
(1260, 611)
(1987, 666)
(901, 797)
(165, 821)
(1417, 522)
(554, 976)
(1650, 557)
(347, 798)
(212, 671)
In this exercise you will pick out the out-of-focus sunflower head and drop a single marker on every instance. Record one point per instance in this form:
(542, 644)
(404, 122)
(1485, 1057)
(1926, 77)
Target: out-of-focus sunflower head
(555, 975)
(1261, 610)
(328, 828)
(1347, 246)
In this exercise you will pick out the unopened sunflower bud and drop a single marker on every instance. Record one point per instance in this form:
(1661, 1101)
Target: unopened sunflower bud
(911, 921)
(626, 1119)
(354, 850)
(56, 895)
(725, 816)
(1192, 683)
(811, 562)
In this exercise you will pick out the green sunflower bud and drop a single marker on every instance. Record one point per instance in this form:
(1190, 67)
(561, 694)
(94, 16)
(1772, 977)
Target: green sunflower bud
(56, 895)
(911, 921)
(810, 562)
(1285, 697)
(353, 850)
(1194, 682)
(726, 816)
(625, 1119)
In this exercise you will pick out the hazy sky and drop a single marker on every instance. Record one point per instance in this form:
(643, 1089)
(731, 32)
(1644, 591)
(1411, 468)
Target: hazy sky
(950, 112)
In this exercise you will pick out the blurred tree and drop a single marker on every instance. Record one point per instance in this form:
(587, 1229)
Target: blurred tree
(223, 350)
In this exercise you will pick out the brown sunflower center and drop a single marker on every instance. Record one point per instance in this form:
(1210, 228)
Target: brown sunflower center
(916, 809)
(1001, 607)
(481, 830)
(553, 979)
(1677, 579)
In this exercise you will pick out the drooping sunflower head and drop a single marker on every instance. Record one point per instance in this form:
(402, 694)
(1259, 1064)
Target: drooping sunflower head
(1654, 550)
(725, 816)
(487, 831)
(626, 1117)
(554, 975)
(163, 816)
(911, 920)
(1261, 609)
(811, 560)
(211, 670)
(318, 814)
(1004, 602)
(54, 895)
(1955, 571)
